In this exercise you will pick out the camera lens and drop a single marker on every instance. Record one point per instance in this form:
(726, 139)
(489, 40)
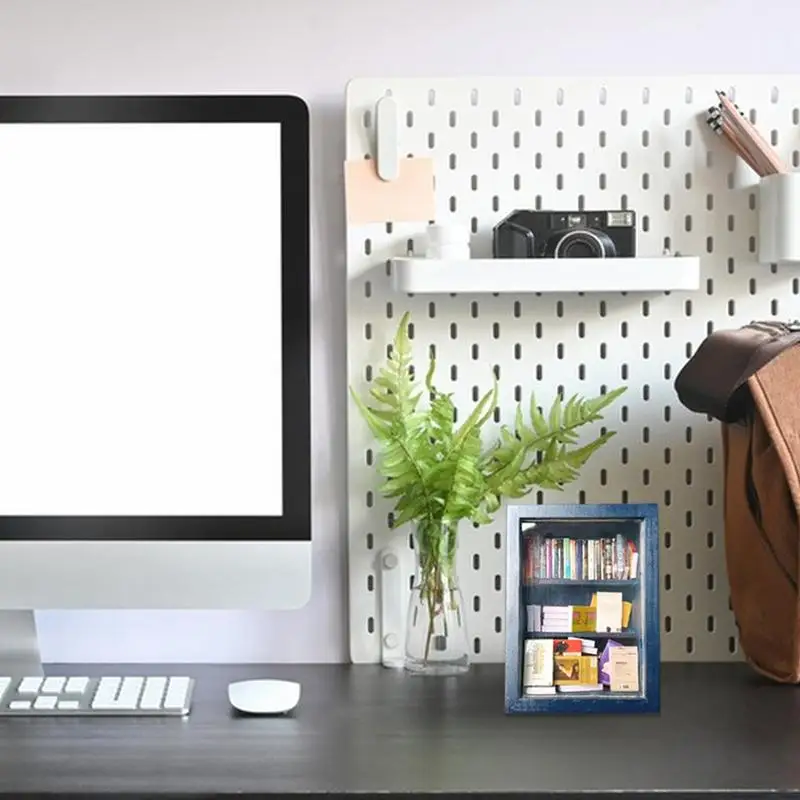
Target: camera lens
(584, 244)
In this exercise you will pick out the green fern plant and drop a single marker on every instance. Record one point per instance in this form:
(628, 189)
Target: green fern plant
(438, 473)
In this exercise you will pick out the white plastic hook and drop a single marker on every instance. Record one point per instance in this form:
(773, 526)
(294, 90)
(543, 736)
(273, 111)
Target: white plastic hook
(387, 146)
(392, 608)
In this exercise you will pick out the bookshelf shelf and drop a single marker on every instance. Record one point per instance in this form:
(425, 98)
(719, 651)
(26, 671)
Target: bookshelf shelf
(572, 703)
(556, 659)
(628, 634)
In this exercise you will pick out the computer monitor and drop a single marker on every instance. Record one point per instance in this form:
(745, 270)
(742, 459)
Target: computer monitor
(154, 355)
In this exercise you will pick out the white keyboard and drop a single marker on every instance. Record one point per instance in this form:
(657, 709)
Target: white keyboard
(159, 696)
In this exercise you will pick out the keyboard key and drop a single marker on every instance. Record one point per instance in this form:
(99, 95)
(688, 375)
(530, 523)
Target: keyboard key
(19, 705)
(128, 696)
(76, 685)
(115, 695)
(106, 693)
(177, 691)
(45, 703)
(53, 685)
(29, 686)
(68, 705)
(4, 685)
(153, 692)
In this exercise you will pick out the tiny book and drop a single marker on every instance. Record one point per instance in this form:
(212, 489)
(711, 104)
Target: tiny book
(575, 669)
(580, 688)
(567, 646)
(539, 663)
(584, 619)
(609, 611)
(539, 691)
(567, 669)
(623, 665)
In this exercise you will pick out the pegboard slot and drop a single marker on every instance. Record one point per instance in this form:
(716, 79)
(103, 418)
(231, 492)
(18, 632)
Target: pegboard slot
(428, 275)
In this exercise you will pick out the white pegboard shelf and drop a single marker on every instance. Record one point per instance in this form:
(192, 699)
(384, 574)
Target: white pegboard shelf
(487, 275)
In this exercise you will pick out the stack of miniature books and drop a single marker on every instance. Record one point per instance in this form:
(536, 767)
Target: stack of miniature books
(577, 664)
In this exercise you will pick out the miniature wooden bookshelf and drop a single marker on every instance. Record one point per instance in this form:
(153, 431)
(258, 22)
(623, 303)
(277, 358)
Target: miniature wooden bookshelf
(582, 609)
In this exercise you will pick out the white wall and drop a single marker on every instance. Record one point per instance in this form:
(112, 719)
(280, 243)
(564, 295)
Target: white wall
(312, 47)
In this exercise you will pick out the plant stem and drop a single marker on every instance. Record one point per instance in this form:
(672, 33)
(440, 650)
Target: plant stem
(436, 545)
(431, 619)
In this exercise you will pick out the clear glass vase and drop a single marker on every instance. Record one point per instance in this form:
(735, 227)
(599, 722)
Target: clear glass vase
(436, 631)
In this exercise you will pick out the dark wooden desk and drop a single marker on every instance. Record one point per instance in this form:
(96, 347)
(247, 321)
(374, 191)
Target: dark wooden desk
(366, 729)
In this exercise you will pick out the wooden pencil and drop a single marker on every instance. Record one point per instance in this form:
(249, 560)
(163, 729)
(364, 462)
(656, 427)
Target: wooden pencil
(747, 150)
(749, 133)
(724, 130)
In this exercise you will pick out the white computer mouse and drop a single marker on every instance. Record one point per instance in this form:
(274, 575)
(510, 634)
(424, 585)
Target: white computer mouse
(264, 696)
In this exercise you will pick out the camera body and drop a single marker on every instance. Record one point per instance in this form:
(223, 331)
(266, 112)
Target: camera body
(565, 234)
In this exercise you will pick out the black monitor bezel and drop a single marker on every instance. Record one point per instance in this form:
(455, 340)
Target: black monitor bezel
(292, 114)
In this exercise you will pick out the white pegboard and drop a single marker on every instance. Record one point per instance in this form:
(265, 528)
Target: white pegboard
(503, 143)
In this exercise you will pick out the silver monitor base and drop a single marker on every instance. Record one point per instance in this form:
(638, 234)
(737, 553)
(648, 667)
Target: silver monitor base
(19, 644)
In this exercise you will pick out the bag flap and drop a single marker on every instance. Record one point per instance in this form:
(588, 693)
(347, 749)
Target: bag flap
(774, 392)
(715, 380)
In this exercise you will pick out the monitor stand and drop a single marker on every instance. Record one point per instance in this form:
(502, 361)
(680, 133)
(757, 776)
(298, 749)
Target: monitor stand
(19, 644)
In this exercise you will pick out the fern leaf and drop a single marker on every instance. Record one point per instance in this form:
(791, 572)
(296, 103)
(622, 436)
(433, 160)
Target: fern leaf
(429, 375)
(405, 515)
(441, 417)
(480, 414)
(537, 418)
(491, 502)
(546, 454)
(378, 426)
(482, 516)
(382, 397)
(458, 478)
(405, 460)
(554, 420)
(387, 415)
(512, 466)
(467, 486)
(519, 423)
(570, 411)
(578, 458)
(603, 401)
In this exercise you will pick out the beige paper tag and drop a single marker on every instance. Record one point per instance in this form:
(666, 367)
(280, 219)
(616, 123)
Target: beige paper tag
(409, 198)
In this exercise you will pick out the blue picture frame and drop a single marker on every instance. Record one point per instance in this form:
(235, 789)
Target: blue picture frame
(647, 637)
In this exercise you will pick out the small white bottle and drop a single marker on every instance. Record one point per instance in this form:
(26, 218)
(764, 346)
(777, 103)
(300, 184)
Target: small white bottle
(449, 241)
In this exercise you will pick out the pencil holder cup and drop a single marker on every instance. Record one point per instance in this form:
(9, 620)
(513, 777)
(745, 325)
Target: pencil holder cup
(779, 218)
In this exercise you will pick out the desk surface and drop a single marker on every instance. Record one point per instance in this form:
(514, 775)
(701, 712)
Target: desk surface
(367, 729)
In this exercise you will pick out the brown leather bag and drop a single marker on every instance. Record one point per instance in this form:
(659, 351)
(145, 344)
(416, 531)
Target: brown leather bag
(749, 379)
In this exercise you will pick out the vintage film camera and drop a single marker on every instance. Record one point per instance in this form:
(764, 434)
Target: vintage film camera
(565, 234)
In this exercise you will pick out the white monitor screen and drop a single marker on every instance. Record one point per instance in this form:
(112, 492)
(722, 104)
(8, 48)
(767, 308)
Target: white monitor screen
(140, 319)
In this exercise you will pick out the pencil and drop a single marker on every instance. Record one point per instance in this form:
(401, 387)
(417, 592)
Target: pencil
(750, 134)
(723, 129)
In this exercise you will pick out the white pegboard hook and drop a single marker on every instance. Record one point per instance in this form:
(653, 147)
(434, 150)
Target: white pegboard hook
(391, 609)
(387, 144)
